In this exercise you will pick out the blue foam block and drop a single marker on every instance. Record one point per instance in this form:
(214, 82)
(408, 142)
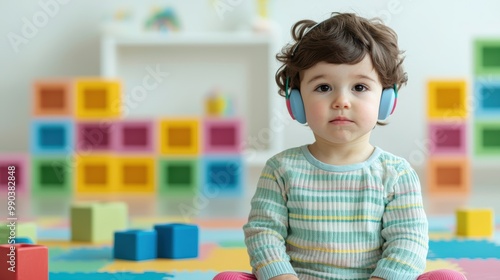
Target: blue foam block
(177, 241)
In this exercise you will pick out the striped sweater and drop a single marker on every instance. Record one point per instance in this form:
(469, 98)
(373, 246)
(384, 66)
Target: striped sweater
(321, 221)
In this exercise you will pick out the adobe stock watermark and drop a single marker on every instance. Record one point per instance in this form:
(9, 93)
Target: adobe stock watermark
(423, 145)
(223, 6)
(31, 26)
(95, 137)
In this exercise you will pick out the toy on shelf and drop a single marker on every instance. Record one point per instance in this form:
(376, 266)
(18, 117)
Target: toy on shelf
(163, 20)
(218, 105)
(475, 223)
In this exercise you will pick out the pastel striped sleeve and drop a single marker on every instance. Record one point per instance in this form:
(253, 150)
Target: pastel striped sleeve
(267, 227)
(405, 229)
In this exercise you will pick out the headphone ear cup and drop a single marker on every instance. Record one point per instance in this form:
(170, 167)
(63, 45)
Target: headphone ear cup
(387, 104)
(296, 106)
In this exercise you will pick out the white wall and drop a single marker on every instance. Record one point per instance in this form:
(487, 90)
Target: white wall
(437, 37)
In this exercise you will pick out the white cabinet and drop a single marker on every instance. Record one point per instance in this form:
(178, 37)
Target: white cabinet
(188, 67)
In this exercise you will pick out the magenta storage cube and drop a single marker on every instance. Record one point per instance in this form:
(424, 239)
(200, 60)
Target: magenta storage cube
(134, 136)
(94, 136)
(222, 135)
(448, 138)
(20, 175)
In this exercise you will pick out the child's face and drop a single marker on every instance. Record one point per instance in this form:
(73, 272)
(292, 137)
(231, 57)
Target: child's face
(341, 101)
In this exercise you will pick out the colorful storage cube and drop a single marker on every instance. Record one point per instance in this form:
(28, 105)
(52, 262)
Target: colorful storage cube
(52, 137)
(136, 174)
(447, 99)
(98, 98)
(448, 175)
(178, 176)
(94, 137)
(17, 167)
(222, 136)
(223, 175)
(179, 137)
(134, 136)
(487, 57)
(448, 138)
(53, 98)
(51, 175)
(96, 174)
(487, 138)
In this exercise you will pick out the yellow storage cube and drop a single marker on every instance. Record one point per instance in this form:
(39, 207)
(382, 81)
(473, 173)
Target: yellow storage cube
(136, 174)
(447, 99)
(98, 98)
(180, 136)
(96, 174)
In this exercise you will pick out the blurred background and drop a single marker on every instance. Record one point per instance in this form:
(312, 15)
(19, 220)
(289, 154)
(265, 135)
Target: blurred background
(197, 49)
(169, 110)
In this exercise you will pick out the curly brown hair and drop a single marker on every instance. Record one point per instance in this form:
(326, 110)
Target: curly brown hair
(344, 38)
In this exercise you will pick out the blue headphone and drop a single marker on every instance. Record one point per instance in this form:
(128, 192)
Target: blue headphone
(295, 105)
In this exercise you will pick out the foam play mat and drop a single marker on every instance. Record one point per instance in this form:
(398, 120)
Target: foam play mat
(222, 248)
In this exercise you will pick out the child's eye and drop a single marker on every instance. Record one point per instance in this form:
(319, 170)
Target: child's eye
(323, 88)
(360, 88)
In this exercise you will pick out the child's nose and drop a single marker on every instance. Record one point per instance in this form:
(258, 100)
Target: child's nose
(341, 101)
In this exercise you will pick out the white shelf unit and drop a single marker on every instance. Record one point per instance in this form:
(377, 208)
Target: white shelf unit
(240, 64)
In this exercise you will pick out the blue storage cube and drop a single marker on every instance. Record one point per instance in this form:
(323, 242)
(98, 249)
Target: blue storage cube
(223, 175)
(177, 241)
(52, 136)
(135, 245)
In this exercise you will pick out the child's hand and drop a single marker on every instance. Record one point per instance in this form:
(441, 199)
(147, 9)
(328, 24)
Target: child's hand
(285, 277)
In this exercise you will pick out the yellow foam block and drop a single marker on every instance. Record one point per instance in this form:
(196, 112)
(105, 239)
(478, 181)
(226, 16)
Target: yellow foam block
(475, 222)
